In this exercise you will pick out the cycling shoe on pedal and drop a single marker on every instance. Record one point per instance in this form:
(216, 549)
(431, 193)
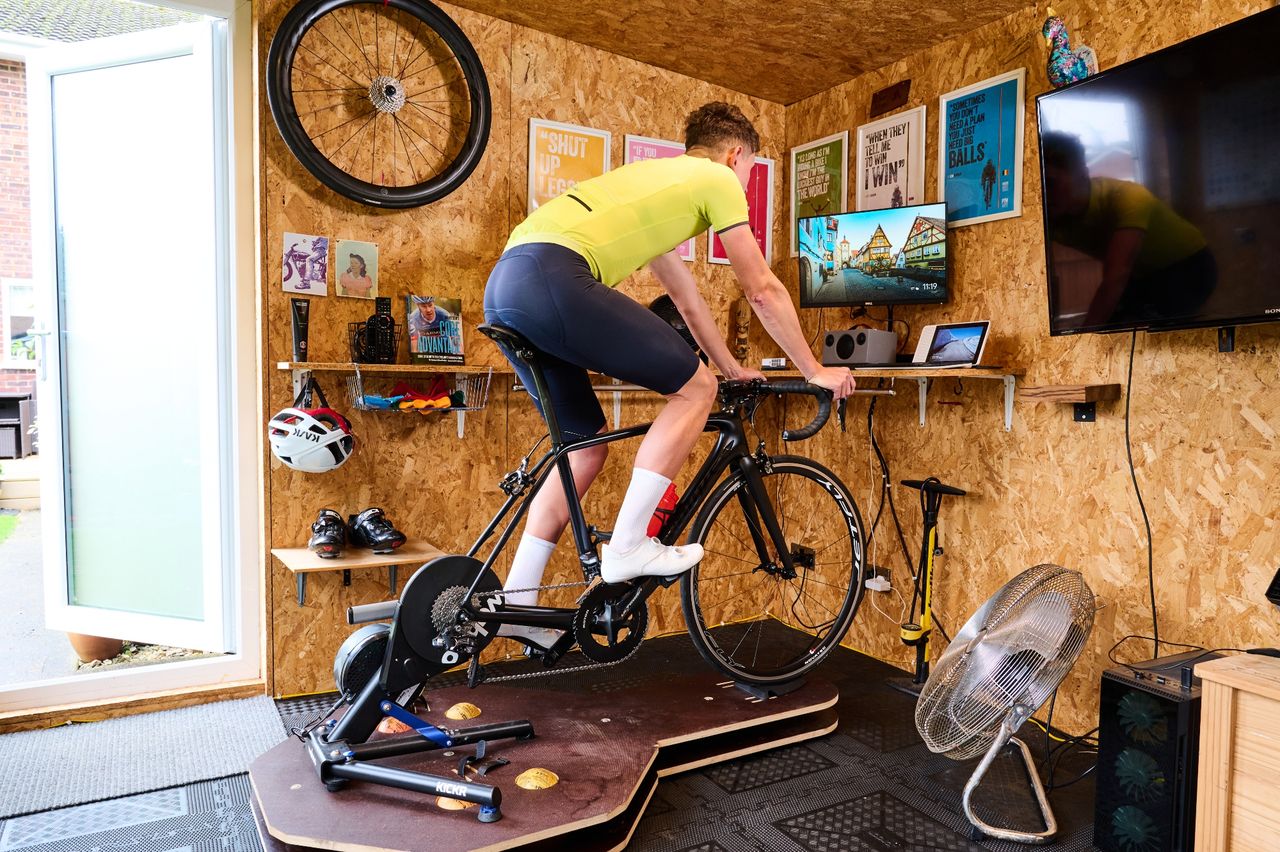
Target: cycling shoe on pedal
(371, 529)
(541, 638)
(328, 535)
(650, 558)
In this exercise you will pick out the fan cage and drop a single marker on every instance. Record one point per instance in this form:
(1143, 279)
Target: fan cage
(1014, 651)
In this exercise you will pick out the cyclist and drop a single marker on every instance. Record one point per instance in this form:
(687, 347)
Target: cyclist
(554, 284)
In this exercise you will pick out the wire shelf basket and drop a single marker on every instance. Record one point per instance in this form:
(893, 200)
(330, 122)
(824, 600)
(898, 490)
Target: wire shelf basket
(474, 388)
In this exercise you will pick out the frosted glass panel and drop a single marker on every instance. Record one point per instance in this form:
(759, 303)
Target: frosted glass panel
(134, 189)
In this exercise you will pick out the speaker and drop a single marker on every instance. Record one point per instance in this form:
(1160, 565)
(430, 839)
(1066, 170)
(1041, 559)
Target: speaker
(859, 346)
(1148, 750)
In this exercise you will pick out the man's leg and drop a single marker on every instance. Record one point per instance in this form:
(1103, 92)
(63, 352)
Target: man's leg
(663, 452)
(548, 516)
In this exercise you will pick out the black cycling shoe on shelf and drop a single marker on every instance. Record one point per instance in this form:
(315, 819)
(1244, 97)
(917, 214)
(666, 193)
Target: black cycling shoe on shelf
(371, 529)
(328, 535)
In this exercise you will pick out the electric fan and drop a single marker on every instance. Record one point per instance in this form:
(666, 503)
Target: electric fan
(1006, 661)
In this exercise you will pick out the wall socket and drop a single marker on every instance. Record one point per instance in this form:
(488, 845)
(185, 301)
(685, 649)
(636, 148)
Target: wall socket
(873, 572)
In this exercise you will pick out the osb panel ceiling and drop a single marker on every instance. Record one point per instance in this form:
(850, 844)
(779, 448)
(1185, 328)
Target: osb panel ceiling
(783, 50)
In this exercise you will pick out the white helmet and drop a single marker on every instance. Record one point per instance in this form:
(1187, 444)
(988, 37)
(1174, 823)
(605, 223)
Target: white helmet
(313, 440)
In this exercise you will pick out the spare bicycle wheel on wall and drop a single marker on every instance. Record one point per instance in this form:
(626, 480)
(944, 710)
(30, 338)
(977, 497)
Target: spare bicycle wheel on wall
(384, 101)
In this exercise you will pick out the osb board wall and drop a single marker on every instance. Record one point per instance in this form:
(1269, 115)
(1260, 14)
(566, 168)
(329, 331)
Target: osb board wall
(1204, 424)
(433, 485)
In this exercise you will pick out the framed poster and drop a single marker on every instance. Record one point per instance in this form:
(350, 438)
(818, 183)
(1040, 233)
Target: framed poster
(643, 148)
(980, 150)
(890, 161)
(759, 213)
(561, 155)
(819, 179)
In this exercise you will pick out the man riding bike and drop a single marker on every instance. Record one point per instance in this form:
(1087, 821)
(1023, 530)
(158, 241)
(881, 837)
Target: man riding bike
(554, 284)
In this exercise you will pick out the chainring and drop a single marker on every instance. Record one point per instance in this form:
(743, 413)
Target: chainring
(430, 603)
(591, 625)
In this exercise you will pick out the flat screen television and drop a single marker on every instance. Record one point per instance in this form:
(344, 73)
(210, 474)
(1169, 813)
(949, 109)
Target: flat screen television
(1162, 187)
(876, 257)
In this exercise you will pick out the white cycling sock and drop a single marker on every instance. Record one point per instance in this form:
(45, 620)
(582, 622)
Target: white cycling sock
(642, 498)
(526, 568)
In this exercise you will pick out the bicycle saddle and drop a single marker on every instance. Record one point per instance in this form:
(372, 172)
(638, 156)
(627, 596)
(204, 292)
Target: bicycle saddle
(510, 339)
(933, 486)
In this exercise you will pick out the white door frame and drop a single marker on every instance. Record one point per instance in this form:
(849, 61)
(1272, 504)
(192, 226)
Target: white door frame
(243, 617)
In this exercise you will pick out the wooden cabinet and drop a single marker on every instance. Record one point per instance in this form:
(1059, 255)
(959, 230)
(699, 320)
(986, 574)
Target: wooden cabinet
(1238, 795)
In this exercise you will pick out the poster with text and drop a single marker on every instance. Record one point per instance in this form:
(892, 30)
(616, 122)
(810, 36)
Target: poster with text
(759, 213)
(561, 155)
(643, 148)
(819, 179)
(890, 156)
(980, 150)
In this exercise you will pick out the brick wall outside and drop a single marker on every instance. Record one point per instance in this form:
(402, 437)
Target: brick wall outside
(15, 198)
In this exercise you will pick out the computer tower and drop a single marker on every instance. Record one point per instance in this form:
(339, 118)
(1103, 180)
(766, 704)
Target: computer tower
(1148, 745)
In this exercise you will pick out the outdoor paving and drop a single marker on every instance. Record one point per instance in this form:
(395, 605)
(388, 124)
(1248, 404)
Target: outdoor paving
(31, 652)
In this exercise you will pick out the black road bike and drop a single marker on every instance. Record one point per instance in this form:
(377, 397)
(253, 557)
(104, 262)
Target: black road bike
(776, 591)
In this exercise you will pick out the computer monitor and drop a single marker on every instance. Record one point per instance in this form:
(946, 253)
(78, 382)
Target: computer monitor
(893, 256)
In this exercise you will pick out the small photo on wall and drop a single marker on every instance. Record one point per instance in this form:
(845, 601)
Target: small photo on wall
(305, 265)
(356, 264)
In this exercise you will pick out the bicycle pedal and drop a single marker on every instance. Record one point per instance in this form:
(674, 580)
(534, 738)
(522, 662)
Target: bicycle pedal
(475, 673)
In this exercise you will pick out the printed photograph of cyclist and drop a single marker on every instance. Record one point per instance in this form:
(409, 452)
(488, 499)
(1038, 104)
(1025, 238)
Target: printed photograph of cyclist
(357, 266)
(305, 265)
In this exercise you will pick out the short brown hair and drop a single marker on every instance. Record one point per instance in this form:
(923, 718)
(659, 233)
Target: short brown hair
(718, 123)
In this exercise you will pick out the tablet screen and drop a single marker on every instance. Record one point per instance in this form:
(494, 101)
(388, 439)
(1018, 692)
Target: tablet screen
(957, 343)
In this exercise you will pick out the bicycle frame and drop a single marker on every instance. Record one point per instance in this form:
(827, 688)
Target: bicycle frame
(730, 450)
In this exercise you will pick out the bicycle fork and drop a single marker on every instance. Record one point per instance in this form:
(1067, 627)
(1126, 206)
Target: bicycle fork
(762, 520)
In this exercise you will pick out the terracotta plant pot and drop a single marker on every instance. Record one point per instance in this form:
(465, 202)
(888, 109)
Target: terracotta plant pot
(90, 648)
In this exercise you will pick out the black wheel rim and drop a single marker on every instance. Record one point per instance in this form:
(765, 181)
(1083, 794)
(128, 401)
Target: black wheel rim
(386, 103)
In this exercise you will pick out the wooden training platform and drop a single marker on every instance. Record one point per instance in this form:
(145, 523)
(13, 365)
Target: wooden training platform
(609, 748)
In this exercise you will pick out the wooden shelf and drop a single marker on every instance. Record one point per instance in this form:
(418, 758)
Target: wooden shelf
(935, 373)
(388, 369)
(302, 561)
(1070, 393)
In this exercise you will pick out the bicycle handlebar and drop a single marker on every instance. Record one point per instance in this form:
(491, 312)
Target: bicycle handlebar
(822, 395)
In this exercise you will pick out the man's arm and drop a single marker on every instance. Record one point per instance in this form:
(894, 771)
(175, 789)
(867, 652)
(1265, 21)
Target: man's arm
(675, 278)
(772, 303)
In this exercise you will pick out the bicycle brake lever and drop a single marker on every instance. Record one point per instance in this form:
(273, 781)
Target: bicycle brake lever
(840, 412)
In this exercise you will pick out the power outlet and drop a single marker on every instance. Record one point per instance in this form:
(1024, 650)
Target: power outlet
(877, 579)
(873, 571)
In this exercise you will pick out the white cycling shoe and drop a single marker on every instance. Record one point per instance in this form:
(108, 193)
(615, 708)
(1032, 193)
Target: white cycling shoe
(650, 558)
(541, 638)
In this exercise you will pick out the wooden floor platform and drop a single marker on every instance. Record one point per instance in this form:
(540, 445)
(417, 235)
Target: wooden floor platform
(609, 746)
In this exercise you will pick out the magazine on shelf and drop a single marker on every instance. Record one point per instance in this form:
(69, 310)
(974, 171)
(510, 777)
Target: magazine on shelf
(435, 329)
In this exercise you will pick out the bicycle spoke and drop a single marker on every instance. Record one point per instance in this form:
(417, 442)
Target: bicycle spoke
(395, 45)
(331, 65)
(403, 138)
(342, 125)
(451, 133)
(324, 108)
(359, 44)
(354, 135)
(425, 139)
(727, 556)
(343, 89)
(322, 35)
(417, 36)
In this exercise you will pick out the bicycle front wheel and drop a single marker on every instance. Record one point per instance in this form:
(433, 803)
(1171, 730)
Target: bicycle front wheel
(745, 615)
(384, 101)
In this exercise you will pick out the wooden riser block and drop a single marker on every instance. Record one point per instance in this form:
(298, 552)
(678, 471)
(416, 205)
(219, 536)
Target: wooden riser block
(608, 749)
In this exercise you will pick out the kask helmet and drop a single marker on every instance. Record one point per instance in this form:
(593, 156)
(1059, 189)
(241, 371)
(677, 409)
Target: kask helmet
(313, 440)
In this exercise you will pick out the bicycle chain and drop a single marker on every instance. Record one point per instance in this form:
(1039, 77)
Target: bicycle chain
(553, 670)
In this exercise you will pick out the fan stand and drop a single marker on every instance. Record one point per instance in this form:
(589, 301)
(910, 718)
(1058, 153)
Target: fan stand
(1013, 720)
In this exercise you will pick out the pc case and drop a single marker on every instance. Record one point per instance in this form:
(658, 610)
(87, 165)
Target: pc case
(1148, 745)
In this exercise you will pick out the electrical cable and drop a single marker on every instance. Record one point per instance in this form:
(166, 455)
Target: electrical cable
(1204, 652)
(817, 329)
(1133, 474)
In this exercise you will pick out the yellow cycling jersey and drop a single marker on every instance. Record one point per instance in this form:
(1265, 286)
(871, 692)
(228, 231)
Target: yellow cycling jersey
(625, 218)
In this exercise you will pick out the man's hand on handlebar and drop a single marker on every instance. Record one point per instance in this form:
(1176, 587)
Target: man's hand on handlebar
(838, 380)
